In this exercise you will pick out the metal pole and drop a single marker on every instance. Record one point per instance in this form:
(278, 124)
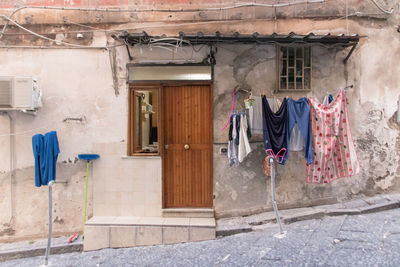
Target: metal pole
(84, 213)
(278, 219)
(46, 259)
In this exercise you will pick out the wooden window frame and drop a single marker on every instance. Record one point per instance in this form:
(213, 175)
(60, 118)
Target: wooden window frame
(132, 147)
(279, 63)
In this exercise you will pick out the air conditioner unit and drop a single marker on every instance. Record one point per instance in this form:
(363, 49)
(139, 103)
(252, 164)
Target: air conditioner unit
(19, 93)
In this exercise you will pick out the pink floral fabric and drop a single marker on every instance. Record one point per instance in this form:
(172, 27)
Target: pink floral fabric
(334, 154)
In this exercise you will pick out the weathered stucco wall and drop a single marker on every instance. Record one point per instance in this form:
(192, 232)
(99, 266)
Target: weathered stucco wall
(68, 92)
(81, 83)
(372, 108)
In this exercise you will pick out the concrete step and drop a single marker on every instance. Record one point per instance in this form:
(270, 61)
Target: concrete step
(117, 232)
(189, 212)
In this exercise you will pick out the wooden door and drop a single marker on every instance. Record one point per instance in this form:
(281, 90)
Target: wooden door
(187, 155)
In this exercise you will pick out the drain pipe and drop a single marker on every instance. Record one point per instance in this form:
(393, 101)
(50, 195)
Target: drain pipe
(5, 113)
(398, 108)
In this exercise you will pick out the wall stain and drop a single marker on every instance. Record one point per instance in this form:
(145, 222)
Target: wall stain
(8, 230)
(59, 221)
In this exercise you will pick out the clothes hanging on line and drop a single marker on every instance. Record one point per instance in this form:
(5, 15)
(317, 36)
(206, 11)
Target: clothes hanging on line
(45, 151)
(296, 140)
(244, 145)
(255, 113)
(334, 154)
(38, 154)
(235, 132)
(232, 146)
(275, 129)
(299, 114)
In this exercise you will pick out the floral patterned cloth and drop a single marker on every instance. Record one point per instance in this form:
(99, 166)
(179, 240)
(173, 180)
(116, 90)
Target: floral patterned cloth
(334, 154)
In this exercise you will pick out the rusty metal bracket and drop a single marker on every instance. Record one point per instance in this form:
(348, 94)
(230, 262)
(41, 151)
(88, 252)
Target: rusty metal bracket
(351, 52)
(129, 53)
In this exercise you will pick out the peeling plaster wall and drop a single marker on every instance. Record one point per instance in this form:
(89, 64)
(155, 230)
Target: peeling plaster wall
(372, 109)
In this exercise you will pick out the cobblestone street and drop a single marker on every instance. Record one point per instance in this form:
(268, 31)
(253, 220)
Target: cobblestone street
(363, 240)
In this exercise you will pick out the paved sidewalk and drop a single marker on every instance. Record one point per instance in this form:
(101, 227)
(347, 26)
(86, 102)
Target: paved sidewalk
(230, 226)
(361, 240)
(24, 249)
(225, 227)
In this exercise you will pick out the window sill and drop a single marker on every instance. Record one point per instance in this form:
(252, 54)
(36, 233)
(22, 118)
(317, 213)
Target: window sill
(142, 157)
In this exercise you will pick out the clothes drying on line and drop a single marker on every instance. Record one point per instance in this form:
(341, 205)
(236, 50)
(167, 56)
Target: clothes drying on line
(299, 115)
(232, 146)
(244, 145)
(296, 140)
(38, 154)
(255, 113)
(275, 129)
(45, 151)
(334, 154)
(239, 134)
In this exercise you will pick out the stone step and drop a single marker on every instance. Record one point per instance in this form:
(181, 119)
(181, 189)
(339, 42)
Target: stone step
(189, 212)
(117, 232)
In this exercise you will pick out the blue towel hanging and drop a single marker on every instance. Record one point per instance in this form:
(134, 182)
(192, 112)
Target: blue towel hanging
(45, 151)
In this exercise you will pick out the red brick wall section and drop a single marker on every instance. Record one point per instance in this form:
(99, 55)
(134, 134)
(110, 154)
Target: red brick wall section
(113, 3)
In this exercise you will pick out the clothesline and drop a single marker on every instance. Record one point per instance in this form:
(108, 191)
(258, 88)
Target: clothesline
(322, 128)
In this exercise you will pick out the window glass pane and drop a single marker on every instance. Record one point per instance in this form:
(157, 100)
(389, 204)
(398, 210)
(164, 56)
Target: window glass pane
(307, 79)
(137, 124)
(146, 121)
(284, 66)
(299, 67)
(299, 52)
(294, 68)
(283, 83)
(299, 83)
(284, 52)
(291, 57)
(307, 56)
(291, 78)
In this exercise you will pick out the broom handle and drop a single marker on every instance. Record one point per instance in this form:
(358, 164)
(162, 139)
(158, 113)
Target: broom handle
(86, 189)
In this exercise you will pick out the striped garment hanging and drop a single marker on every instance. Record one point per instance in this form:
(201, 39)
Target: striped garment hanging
(334, 154)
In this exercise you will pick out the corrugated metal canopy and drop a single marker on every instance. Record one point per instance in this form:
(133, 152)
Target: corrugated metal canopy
(237, 38)
(200, 38)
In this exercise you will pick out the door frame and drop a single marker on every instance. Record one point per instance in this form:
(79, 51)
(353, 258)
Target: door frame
(160, 84)
(211, 135)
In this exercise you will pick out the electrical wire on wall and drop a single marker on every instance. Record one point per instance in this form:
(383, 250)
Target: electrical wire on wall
(253, 4)
(53, 40)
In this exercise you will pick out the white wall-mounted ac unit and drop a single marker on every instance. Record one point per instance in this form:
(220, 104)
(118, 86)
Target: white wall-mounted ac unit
(19, 93)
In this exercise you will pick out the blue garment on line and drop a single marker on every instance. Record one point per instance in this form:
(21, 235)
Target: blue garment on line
(299, 112)
(45, 151)
(275, 128)
(38, 154)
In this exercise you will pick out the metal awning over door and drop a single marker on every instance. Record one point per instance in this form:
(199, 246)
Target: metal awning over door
(200, 38)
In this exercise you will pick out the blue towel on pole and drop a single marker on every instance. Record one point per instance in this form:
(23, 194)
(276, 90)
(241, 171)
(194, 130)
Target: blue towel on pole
(51, 151)
(45, 151)
(38, 154)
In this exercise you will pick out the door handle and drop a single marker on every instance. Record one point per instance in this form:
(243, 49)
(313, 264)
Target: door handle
(186, 147)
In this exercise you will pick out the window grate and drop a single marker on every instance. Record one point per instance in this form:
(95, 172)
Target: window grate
(294, 71)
